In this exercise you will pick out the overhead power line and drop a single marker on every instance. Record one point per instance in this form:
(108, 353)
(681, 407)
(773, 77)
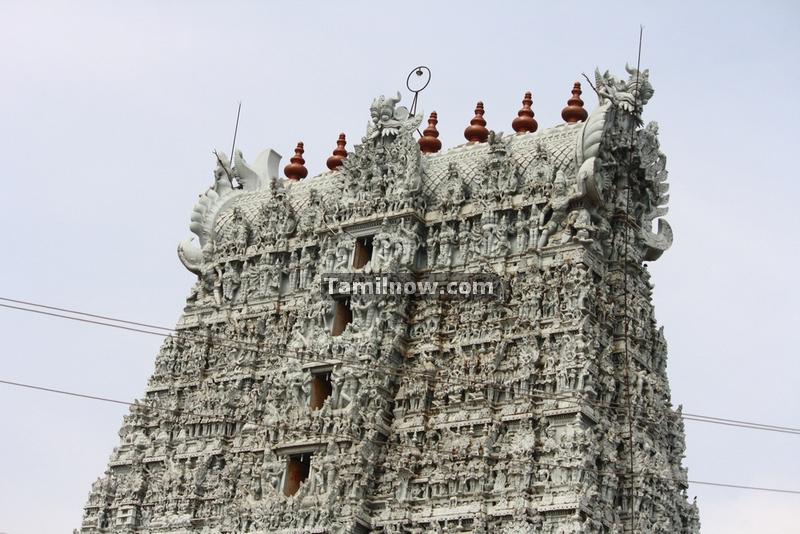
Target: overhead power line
(105, 320)
(64, 392)
(739, 486)
(328, 434)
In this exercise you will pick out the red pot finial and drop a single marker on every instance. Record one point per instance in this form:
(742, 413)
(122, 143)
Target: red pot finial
(296, 170)
(574, 111)
(339, 153)
(429, 142)
(525, 121)
(477, 132)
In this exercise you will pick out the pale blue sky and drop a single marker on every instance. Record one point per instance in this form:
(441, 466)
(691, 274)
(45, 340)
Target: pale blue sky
(109, 113)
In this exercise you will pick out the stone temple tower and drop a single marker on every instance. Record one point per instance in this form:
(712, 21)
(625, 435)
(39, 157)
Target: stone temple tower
(285, 404)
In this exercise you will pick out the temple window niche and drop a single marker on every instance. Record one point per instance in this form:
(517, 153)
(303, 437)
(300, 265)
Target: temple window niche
(321, 388)
(342, 315)
(298, 467)
(363, 252)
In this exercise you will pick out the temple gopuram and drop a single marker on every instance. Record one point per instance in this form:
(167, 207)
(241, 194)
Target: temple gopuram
(280, 405)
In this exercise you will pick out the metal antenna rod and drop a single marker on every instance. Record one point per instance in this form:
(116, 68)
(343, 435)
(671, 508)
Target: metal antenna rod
(224, 168)
(235, 131)
(633, 520)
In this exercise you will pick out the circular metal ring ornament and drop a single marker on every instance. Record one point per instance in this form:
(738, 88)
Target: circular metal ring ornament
(423, 73)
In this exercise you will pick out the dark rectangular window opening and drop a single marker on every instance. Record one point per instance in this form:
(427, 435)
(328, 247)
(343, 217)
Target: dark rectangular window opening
(297, 469)
(342, 316)
(363, 251)
(321, 389)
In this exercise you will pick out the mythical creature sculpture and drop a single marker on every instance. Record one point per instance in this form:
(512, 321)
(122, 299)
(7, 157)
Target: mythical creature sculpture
(655, 197)
(388, 121)
(630, 95)
(621, 103)
(228, 184)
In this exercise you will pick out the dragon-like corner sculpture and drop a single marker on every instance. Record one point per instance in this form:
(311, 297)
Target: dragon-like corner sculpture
(229, 183)
(610, 137)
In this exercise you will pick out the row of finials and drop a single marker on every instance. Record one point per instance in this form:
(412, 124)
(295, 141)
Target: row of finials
(429, 143)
